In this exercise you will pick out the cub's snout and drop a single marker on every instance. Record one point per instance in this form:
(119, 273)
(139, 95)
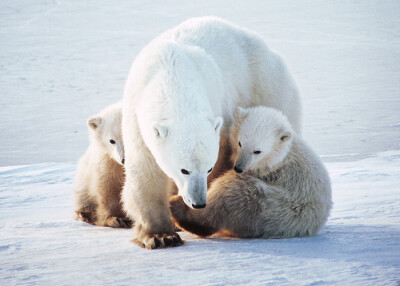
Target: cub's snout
(238, 170)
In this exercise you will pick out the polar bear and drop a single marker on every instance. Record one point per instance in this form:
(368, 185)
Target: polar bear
(279, 189)
(100, 174)
(177, 111)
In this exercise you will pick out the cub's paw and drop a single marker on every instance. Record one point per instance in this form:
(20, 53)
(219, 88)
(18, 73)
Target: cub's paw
(85, 216)
(153, 241)
(118, 222)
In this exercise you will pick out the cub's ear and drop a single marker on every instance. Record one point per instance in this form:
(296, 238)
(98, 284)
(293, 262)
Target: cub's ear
(94, 122)
(160, 131)
(218, 124)
(285, 136)
(239, 113)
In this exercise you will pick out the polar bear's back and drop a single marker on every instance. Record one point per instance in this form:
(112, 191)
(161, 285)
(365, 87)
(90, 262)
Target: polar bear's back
(230, 46)
(248, 67)
(249, 73)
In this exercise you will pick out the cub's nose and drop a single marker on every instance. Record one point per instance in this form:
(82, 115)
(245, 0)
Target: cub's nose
(123, 161)
(238, 170)
(198, 206)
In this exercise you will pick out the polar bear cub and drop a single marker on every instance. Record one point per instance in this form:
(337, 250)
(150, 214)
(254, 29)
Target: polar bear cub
(100, 174)
(279, 189)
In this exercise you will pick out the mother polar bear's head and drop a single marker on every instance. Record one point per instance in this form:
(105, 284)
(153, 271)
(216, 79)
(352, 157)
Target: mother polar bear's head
(186, 151)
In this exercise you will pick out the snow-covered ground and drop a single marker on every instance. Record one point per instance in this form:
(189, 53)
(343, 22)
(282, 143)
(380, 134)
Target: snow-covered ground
(41, 244)
(62, 61)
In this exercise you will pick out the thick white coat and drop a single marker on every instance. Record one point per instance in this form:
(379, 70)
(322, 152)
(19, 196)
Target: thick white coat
(100, 174)
(181, 90)
(280, 188)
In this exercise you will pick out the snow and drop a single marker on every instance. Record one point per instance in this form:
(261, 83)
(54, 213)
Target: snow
(41, 244)
(63, 61)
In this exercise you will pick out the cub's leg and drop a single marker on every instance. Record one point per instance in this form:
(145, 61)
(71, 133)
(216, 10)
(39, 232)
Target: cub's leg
(109, 214)
(84, 206)
(234, 206)
(191, 220)
(108, 195)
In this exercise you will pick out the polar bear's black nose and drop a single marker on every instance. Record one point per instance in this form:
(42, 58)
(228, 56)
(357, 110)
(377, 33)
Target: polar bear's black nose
(123, 161)
(198, 206)
(237, 170)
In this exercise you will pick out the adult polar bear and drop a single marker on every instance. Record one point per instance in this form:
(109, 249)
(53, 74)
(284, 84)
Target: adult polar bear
(178, 100)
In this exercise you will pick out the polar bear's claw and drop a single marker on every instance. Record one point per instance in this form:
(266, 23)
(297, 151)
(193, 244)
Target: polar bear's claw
(118, 222)
(125, 222)
(85, 216)
(158, 241)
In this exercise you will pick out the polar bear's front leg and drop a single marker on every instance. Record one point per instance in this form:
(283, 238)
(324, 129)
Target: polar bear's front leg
(145, 200)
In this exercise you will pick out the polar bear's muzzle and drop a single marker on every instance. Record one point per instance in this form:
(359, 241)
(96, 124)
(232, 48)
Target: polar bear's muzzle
(195, 192)
(241, 163)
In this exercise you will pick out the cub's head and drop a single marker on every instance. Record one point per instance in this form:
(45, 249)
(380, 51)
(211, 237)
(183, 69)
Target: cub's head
(263, 137)
(186, 150)
(106, 130)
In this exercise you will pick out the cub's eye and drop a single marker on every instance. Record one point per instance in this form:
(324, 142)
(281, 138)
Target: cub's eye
(240, 145)
(185, 172)
(257, 152)
(112, 141)
(209, 171)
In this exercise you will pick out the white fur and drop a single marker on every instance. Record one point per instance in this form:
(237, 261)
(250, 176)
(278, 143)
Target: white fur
(106, 126)
(270, 136)
(100, 173)
(284, 191)
(181, 90)
(293, 195)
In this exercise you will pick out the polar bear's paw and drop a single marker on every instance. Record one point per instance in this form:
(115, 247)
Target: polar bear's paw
(118, 222)
(158, 241)
(153, 241)
(85, 216)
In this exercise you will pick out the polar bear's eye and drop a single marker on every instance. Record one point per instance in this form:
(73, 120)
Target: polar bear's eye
(185, 172)
(209, 171)
(257, 152)
(240, 145)
(112, 141)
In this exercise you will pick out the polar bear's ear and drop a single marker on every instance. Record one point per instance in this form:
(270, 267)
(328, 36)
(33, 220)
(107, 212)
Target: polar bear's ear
(285, 136)
(94, 122)
(218, 124)
(160, 131)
